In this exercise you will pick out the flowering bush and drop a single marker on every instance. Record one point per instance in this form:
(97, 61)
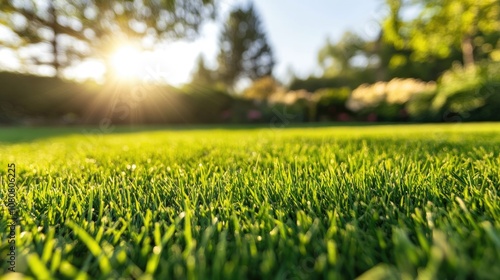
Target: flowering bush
(331, 104)
(290, 97)
(472, 93)
(395, 92)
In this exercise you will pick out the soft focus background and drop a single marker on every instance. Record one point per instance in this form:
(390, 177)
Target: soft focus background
(265, 139)
(195, 62)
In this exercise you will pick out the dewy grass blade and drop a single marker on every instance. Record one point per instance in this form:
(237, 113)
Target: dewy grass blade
(93, 247)
(494, 236)
(408, 201)
(48, 246)
(37, 266)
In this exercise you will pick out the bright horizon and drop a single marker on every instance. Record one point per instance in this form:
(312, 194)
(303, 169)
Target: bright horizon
(295, 34)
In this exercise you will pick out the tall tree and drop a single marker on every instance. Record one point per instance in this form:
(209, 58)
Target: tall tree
(78, 29)
(443, 25)
(244, 49)
(262, 88)
(336, 58)
(398, 58)
(202, 74)
(347, 62)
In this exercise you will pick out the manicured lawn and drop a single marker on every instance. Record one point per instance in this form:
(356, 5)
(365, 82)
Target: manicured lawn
(332, 202)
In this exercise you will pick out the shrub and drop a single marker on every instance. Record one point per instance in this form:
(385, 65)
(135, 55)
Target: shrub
(299, 103)
(333, 96)
(418, 107)
(262, 88)
(35, 99)
(313, 84)
(331, 103)
(27, 96)
(473, 94)
(387, 99)
(207, 104)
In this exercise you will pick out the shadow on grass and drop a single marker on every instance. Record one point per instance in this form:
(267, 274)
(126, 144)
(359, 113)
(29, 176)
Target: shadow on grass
(19, 134)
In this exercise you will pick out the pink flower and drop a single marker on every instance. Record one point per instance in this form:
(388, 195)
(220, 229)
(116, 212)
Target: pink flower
(254, 115)
(343, 117)
(226, 114)
(372, 117)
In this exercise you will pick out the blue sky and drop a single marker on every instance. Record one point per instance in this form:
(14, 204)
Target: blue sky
(296, 31)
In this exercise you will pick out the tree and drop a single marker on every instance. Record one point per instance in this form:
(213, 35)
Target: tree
(398, 59)
(203, 75)
(78, 29)
(443, 25)
(262, 88)
(336, 58)
(244, 50)
(352, 60)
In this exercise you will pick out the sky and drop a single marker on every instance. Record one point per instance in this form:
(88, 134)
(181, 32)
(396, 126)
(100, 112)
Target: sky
(296, 31)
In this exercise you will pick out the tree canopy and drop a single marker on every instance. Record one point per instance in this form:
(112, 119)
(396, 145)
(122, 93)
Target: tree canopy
(262, 88)
(78, 29)
(244, 49)
(202, 74)
(443, 25)
(336, 58)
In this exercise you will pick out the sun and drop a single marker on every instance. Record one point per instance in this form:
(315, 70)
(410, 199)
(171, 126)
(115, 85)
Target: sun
(126, 62)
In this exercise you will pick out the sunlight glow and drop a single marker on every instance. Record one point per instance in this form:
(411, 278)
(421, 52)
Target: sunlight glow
(166, 63)
(90, 69)
(126, 62)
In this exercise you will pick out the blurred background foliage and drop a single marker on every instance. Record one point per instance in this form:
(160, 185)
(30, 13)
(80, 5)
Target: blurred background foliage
(442, 65)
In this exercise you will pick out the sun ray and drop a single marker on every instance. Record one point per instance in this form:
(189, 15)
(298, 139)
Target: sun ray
(126, 62)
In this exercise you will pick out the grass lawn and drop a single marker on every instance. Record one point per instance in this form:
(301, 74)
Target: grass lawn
(378, 202)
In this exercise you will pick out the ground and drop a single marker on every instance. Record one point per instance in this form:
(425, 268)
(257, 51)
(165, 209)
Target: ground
(380, 202)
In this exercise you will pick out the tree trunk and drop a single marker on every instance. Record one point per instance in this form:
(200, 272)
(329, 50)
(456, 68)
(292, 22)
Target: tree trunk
(55, 61)
(381, 70)
(468, 51)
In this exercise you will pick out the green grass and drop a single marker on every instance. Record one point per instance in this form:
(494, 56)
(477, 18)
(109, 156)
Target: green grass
(382, 202)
